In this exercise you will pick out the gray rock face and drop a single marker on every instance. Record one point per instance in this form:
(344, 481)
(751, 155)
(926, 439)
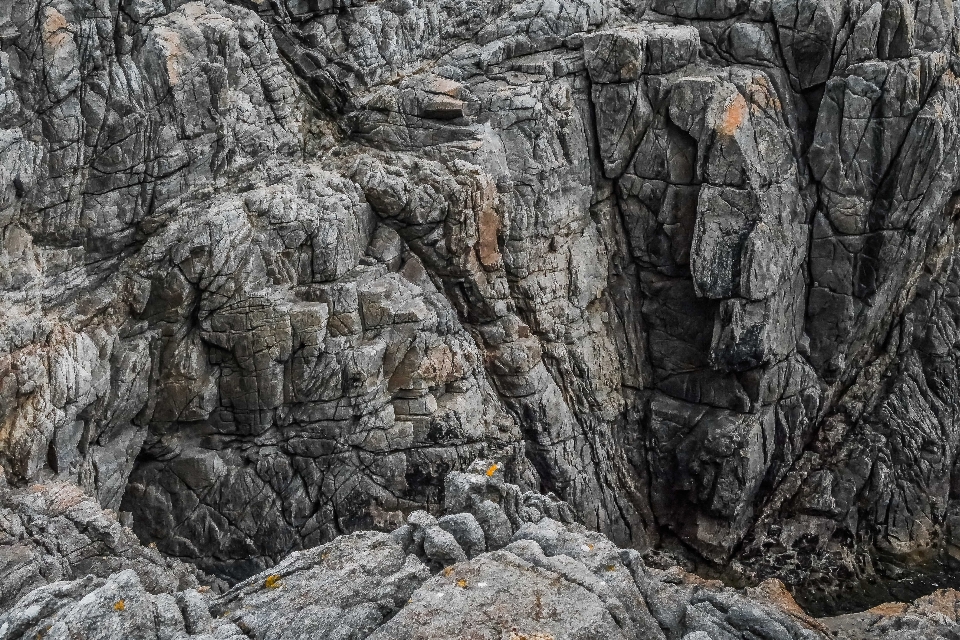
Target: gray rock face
(553, 580)
(52, 534)
(681, 271)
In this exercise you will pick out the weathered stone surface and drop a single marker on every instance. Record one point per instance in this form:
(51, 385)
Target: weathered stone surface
(682, 271)
(553, 579)
(344, 589)
(627, 54)
(933, 616)
(52, 534)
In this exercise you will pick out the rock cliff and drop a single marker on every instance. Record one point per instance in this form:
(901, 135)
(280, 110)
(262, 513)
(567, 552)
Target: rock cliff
(275, 271)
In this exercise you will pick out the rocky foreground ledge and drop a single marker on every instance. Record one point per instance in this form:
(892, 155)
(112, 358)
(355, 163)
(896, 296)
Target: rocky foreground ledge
(499, 564)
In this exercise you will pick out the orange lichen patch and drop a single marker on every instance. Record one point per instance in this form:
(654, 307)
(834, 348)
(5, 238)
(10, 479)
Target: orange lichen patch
(733, 116)
(492, 470)
(272, 582)
(462, 583)
(55, 31)
(447, 571)
(889, 609)
(119, 605)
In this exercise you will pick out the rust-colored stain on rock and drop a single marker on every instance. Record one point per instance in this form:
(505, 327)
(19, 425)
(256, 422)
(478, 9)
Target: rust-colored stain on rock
(488, 248)
(55, 28)
(889, 609)
(733, 116)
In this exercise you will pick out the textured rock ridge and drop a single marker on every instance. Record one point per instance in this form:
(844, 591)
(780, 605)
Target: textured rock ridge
(275, 272)
(528, 575)
(502, 568)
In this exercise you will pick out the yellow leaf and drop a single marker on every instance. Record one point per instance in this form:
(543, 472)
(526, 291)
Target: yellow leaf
(492, 470)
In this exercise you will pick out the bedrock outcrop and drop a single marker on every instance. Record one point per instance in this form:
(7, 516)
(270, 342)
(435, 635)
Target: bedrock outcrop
(271, 271)
(523, 574)
(498, 563)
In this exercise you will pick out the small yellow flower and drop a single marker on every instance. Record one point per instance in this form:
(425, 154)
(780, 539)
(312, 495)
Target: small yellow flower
(272, 581)
(492, 470)
(120, 605)
(462, 583)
